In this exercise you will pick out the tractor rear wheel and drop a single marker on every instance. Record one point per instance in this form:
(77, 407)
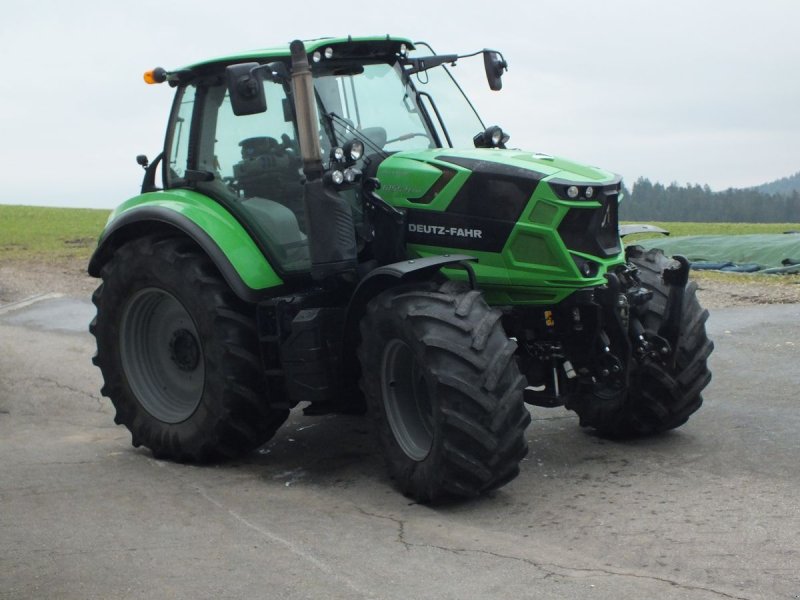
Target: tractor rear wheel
(443, 387)
(179, 354)
(660, 396)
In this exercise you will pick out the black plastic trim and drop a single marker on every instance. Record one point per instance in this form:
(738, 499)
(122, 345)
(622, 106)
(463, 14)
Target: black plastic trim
(440, 183)
(593, 229)
(483, 212)
(493, 190)
(405, 268)
(489, 167)
(149, 180)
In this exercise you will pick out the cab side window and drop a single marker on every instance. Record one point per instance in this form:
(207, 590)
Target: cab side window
(255, 163)
(258, 153)
(179, 137)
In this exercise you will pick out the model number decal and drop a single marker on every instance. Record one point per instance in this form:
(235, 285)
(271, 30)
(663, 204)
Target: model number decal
(440, 230)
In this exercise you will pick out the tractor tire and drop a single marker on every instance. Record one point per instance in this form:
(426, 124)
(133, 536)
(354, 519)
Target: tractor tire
(179, 354)
(442, 385)
(659, 397)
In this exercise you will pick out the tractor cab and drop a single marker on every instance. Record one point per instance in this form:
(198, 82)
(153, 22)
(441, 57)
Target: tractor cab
(234, 133)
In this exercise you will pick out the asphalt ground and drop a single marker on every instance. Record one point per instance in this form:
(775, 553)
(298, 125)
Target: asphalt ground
(711, 510)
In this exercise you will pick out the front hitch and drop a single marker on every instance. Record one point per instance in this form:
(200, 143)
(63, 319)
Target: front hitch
(615, 305)
(676, 277)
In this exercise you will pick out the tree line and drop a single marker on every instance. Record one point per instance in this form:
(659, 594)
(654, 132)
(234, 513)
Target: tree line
(657, 202)
(784, 185)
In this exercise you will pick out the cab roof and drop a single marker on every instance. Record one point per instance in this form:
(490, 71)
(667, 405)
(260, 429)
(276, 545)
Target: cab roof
(363, 48)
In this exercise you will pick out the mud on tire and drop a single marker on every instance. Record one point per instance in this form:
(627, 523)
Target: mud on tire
(179, 354)
(444, 390)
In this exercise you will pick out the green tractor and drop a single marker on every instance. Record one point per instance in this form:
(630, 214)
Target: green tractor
(335, 225)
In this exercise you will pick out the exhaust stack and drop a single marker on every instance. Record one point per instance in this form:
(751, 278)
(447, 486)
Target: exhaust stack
(306, 109)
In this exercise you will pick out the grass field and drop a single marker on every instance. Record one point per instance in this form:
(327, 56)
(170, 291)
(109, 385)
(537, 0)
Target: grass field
(678, 229)
(40, 233)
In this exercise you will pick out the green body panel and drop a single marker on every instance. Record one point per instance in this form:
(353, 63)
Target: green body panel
(534, 266)
(406, 179)
(229, 235)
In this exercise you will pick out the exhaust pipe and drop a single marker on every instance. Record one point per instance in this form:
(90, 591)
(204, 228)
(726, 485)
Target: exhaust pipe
(329, 218)
(306, 110)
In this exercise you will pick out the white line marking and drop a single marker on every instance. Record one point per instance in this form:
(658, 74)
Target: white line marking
(293, 548)
(28, 301)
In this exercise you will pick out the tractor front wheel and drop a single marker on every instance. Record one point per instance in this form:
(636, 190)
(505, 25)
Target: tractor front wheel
(661, 396)
(444, 390)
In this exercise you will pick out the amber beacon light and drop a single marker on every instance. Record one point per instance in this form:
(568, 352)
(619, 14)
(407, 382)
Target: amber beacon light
(157, 75)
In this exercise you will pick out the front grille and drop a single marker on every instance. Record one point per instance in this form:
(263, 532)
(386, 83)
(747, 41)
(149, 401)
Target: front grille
(594, 231)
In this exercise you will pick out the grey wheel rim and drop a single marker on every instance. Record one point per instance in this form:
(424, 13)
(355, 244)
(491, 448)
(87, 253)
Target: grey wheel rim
(162, 355)
(406, 400)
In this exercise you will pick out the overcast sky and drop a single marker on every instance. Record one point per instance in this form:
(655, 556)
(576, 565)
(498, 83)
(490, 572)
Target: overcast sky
(691, 91)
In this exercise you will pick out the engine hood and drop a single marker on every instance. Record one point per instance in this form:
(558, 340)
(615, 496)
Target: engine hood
(517, 211)
(540, 166)
(545, 164)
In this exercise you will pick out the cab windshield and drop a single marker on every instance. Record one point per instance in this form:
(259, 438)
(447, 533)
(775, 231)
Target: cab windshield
(379, 107)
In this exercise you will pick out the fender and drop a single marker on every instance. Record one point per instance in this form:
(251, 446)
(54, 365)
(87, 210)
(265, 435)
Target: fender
(381, 279)
(209, 224)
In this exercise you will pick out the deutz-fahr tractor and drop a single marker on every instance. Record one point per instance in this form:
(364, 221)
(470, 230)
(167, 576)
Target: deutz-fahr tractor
(334, 225)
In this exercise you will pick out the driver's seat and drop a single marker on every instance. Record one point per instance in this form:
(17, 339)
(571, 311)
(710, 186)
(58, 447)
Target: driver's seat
(283, 233)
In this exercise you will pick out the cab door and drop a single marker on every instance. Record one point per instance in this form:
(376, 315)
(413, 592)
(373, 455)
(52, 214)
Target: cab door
(249, 163)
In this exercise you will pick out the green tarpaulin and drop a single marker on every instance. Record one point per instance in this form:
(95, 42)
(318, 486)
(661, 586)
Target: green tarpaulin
(763, 252)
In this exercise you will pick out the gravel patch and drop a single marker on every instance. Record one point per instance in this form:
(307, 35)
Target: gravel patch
(23, 279)
(716, 292)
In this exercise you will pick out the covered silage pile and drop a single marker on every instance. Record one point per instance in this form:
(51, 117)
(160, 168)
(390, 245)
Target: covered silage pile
(763, 252)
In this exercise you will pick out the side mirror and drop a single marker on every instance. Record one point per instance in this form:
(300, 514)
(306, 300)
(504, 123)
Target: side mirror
(246, 88)
(495, 64)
